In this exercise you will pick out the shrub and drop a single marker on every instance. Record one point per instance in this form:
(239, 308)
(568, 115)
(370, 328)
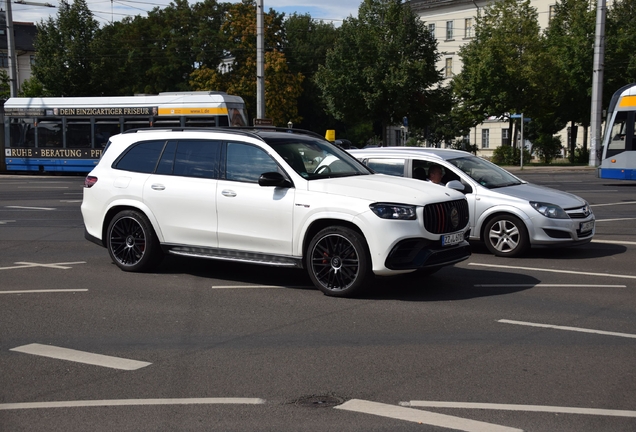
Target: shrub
(508, 155)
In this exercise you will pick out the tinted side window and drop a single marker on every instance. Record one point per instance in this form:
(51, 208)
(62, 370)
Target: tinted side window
(394, 167)
(246, 163)
(167, 158)
(141, 157)
(197, 158)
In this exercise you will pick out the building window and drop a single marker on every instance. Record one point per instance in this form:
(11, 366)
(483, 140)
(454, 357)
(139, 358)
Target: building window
(485, 138)
(466, 139)
(449, 30)
(469, 28)
(431, 29)
(4, 60)
(448, 69)
(505, 137)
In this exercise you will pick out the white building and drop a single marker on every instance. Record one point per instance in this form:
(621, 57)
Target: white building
(452, 22)
(24, 36)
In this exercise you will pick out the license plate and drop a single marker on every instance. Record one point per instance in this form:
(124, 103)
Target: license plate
(586, 226)
(452, 239)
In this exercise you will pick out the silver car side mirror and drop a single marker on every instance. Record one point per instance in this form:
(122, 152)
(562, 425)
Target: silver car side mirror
(455, 184)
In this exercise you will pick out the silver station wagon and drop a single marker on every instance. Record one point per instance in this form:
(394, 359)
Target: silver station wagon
(507, 213)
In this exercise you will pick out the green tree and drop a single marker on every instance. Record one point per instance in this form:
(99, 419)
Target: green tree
(504, 67)
(381, 68)
(5, 89)
(620, 56)
(305, 46)
(570, 43)
(63, 62)
(32, 88)
(282, 87)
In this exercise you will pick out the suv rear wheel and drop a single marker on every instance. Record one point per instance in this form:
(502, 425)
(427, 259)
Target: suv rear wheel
(338, 261)
(132, 243)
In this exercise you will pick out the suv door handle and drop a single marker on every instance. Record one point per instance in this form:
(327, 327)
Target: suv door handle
(157, 187)
(228, 193)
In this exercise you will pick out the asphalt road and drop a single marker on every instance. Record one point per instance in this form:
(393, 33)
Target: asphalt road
(545, 343)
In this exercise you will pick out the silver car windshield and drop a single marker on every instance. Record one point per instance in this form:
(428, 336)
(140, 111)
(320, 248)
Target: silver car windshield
(485, 173)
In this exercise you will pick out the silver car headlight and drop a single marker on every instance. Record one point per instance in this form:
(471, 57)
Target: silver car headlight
(552, 211)
(394, 211)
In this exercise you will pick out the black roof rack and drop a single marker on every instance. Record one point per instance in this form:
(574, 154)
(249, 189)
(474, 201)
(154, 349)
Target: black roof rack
(247, 130)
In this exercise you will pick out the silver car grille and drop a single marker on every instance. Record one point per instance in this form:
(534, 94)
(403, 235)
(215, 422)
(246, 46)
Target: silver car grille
(578, 213)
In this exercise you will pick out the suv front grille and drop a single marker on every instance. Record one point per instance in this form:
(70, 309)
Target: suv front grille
(446, 217)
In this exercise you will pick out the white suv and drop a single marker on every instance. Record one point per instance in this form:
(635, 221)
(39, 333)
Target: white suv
(275, 197)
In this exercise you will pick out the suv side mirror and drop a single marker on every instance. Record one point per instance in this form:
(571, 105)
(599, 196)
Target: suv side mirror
(275, 179)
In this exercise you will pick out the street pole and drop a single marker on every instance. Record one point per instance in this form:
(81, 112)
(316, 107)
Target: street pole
(522, 146)
(597, 84)
(13, 76)
(260, 62)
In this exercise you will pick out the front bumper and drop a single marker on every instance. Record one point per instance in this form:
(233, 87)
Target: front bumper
(412, 254)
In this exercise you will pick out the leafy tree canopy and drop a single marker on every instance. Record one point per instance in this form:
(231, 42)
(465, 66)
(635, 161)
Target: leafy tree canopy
(381, 68)
(64, 51)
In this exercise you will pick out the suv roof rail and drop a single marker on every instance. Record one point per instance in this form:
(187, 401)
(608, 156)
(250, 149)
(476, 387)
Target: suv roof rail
(251, 130)
(273, 129)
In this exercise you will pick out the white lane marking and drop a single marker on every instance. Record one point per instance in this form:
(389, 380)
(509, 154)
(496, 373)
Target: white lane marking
(549, 285)
(70, 201)
(4, 222)
(80, 356)
(422, 417)
(62, 266)
(29, 208)
(514, 407)
(577, 192)
(613, 242)
(42, 187)
(258, 286)
(244, 286)
(614, 220)
(613, 204)
(42, 291)
(129, 402)
(554, 271)
(576, 329)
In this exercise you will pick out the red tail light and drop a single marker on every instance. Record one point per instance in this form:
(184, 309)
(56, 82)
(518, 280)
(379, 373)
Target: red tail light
(89, 181)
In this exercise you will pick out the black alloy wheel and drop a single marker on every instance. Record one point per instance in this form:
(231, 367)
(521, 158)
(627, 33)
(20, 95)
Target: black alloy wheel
(338, 261)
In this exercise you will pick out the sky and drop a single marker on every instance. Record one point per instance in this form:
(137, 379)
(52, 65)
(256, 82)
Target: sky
(105, 11)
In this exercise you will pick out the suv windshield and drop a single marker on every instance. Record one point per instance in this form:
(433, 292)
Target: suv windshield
(315, 158)
(485, 173)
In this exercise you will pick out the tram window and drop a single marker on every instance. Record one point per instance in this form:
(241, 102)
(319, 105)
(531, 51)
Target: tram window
(78, 134)
(622, 132)
(50, 133)
(237, 116)
(104, 130)
(22, 132)
(209, 122)
(136, 124)
(167, 124)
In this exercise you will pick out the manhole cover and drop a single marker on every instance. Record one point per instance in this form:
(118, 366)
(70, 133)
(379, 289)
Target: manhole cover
(319, 401)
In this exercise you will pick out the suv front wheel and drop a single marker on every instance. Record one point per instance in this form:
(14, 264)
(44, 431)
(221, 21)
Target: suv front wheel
(338, 261)
(132, 243)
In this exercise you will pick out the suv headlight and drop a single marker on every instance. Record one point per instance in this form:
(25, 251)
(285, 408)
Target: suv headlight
(394, 211)
(552, 211)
